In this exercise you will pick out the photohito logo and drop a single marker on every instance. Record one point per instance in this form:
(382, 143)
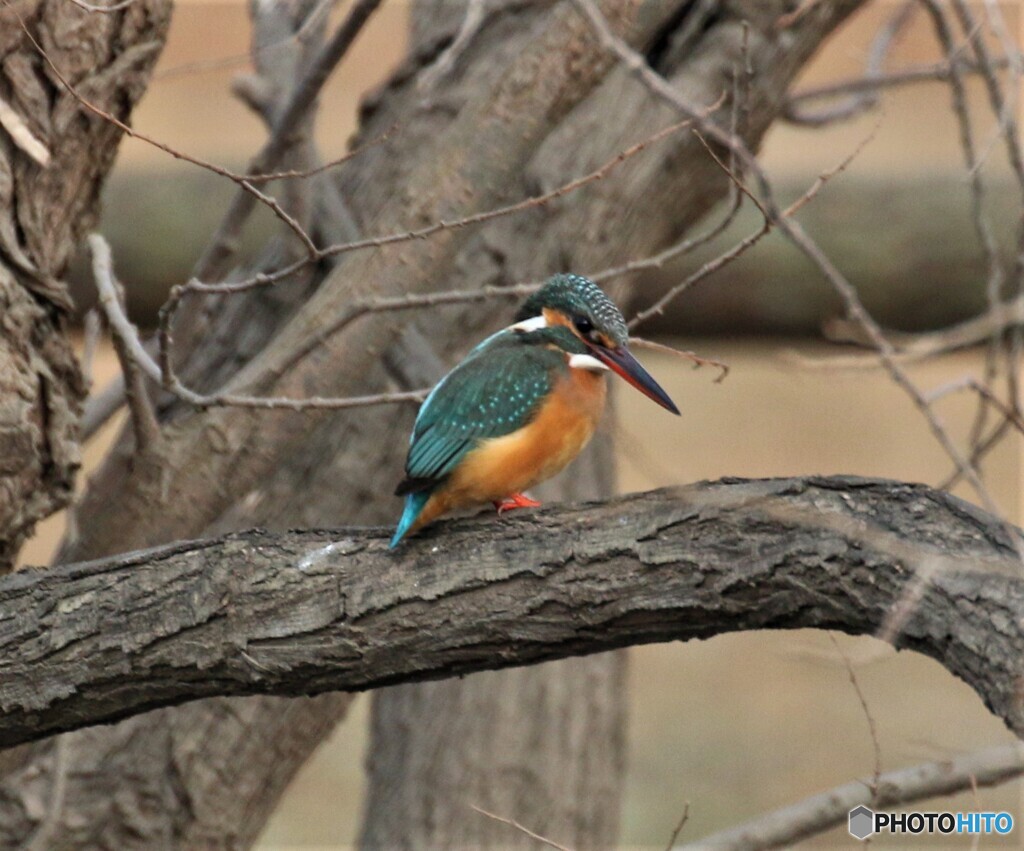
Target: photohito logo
(865, 822)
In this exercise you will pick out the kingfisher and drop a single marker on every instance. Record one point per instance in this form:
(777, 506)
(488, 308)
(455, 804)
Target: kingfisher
(521, 406)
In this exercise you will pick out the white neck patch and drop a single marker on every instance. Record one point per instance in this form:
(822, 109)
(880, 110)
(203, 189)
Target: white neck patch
(587, 362)
(534, 323)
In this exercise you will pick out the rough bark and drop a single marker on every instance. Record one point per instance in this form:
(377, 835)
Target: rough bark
(53, 161)
(307, 612)
(502, 137)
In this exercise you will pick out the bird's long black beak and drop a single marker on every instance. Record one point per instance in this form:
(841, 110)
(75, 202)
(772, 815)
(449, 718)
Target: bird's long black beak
(621, 361)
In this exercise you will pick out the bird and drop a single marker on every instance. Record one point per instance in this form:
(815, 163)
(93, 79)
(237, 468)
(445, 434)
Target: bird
(520, 406)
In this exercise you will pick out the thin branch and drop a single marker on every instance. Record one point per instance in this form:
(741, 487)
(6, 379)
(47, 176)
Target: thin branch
(1012, 416)
(239, 59)
(181, 291)
(744, 245)
(358, 309)
(982, 224)
(92, 327)
(44, 837)
(979, 452)
(602, 171)
(126, 344)
(301, 100)
(939, 72)
(823, 812)
(100, 407)
(866, 99)
(442, 66)
(136, 353)
(970, 332)
(696, 360)
(796, 234)
(703, 272)
(22, 135)
(246, 187)
(986, 61)
(872, 728)
(522, 829)
(687, 245)
(90, 7)
(312, 172)
(679, 827)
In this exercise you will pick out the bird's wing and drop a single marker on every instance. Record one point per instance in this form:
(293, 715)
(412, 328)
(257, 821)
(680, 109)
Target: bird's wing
(494, 392)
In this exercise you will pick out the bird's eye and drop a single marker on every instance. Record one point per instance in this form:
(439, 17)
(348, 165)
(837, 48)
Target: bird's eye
(584, 326)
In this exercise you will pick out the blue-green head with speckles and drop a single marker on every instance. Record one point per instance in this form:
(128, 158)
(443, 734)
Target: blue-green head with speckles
(577, 304)
(586, 308)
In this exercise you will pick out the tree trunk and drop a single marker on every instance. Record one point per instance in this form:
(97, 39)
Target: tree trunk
(53, 161)
(544, 744)
(520, 110)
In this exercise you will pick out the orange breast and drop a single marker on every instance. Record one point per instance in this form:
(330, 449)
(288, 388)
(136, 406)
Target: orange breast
(505, 465)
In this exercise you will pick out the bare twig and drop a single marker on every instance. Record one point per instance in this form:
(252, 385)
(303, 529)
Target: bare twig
(979, 452)
(100, 407)
(679, 827)
(136, 354)
(792, 229)
(180, 292)
(535, 836)
(165, 375)
(220, 249)
(1004, 108)
(740, 96)
(867, 98)
(939, 72)
(92, 327)
(197, 285)
(698, 362)
(872, 729)
(986, 61)
(44, 835)
(111, 302)
(312, 172)
(982, 225)
(359, 309)
(115, 7)
(240, 59)
(968, 333)
(1012, 416)
(442, 66)
(741, 247)
(246, 187)
(21, 135)
(820, 813)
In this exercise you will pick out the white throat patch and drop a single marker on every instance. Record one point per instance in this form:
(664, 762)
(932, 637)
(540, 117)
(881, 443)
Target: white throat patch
(587, 362)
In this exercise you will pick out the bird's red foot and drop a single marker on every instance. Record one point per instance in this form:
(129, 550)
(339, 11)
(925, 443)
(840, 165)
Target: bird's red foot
(516, 500)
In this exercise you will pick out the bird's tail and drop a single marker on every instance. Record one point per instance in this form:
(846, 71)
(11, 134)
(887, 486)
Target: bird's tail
(414, 503)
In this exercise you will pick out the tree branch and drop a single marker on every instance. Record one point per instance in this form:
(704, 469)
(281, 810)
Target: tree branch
(310, 612)
(811, 816)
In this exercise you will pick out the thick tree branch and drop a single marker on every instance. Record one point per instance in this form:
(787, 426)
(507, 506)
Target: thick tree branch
(309, 612)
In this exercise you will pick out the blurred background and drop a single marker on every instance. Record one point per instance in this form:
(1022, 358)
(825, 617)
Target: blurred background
(744, 723)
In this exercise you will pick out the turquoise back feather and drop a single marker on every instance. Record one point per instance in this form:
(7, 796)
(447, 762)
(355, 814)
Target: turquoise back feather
(495, 391)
